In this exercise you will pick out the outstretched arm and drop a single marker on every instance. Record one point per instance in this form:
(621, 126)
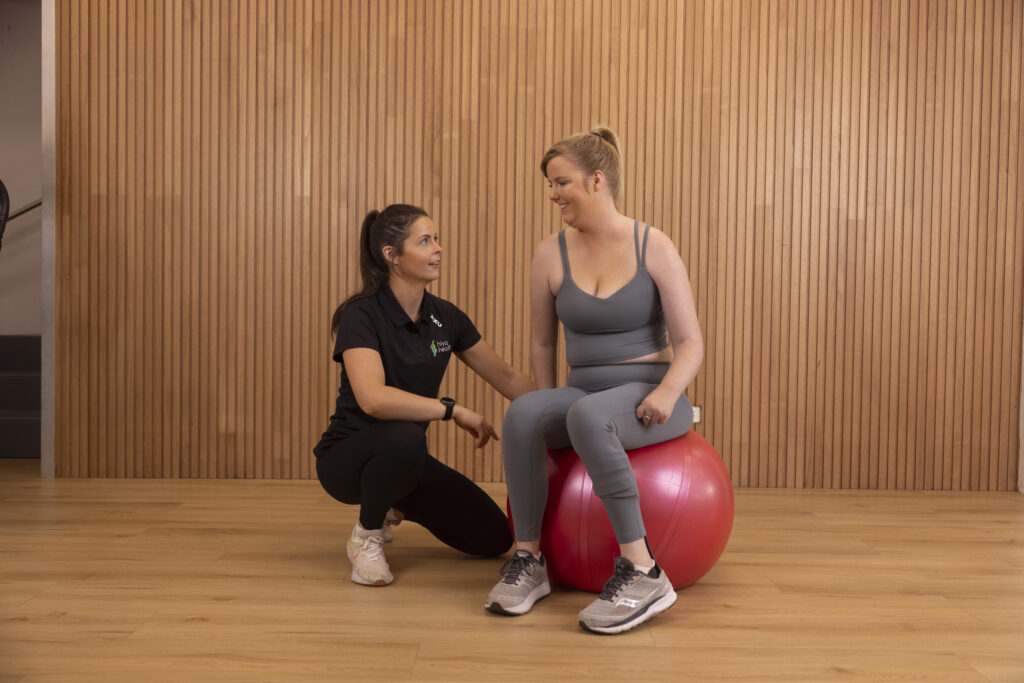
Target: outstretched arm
(482, 360)
(366, 374)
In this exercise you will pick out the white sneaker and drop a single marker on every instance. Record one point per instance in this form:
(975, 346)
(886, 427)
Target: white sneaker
(366, 552)
(392, 519)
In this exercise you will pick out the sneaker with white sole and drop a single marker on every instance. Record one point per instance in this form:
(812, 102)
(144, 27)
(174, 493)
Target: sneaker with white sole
(524, 582)
(629, 598)
(366, 552)
(392, 519)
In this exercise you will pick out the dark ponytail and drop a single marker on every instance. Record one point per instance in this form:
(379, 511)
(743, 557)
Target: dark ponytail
(387, 228)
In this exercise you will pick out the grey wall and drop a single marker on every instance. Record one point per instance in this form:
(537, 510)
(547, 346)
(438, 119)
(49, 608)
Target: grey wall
(21, 164)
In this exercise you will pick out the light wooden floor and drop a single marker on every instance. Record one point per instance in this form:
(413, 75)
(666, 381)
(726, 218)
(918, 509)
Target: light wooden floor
(112, 580)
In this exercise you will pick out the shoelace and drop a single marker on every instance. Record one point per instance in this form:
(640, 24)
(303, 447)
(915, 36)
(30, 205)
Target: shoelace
(373, 546)
(516, 566)
(621, 576)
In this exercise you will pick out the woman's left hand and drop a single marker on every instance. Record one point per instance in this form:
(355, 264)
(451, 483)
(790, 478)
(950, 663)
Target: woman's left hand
(656, 408)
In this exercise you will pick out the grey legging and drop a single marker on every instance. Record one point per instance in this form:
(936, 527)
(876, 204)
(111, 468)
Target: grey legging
(596, 414)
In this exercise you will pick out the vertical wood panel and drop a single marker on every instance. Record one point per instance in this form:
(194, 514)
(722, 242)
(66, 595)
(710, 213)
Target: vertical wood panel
(841, 178)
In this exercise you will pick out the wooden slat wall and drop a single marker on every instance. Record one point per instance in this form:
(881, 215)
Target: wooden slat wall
(842, 179)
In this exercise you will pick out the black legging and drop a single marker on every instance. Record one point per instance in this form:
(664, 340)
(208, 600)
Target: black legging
(386, 465)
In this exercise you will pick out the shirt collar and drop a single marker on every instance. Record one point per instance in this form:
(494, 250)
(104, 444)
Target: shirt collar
(396, 314)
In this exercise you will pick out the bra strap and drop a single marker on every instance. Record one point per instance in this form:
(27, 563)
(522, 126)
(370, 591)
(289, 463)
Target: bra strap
(565, 254)
(636, 242)
(642, 259)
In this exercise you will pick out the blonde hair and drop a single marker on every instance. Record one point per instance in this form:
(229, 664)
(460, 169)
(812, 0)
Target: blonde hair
(597, 150)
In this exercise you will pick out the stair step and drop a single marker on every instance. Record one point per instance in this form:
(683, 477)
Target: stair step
(20, 353)
(20, 391)
(19, 434)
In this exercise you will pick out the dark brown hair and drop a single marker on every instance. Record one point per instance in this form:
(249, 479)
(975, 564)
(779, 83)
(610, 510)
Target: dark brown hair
(387, 228)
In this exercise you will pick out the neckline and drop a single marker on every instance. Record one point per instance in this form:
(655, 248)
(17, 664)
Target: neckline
(568, 276)
(398, 315)
(567, 268)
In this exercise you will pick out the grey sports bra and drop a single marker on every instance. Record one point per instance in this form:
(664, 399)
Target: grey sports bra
(626, 325)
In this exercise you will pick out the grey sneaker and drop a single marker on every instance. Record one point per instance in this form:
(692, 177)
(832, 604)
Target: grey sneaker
(524, 582)
(629, 598)
(392, 519)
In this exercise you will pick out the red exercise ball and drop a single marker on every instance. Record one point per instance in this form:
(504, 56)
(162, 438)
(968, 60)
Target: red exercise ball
(686, 500)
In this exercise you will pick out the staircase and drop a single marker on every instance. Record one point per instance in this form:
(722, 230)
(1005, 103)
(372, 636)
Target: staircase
(20, 384)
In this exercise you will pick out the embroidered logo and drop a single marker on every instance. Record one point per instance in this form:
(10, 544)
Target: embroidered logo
(436, 321)
(442, 346)
(433, 348)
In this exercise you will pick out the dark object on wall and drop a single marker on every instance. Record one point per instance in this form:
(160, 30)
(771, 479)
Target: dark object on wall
(20, 396)
(5, 208)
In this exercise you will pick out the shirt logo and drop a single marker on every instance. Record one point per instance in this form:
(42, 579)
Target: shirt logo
(442, 346)
(436, 321)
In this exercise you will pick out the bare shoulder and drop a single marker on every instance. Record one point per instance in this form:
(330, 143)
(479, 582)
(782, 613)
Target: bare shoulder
(546, 248)
(662, 252)
(547, 263)
(546, 255)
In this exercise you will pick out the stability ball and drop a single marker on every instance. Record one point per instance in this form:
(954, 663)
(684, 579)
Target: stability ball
(686, 500)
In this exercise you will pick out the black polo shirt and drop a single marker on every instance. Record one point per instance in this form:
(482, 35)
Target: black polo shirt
(415, 355)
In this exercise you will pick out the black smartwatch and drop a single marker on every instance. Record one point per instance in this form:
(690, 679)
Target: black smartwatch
(449, 407)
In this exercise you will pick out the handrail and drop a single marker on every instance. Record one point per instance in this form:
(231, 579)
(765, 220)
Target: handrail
(25, 209)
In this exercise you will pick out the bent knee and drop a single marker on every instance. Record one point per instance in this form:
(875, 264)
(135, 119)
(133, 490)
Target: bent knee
(585, 419)
(524, 413)
(497, 545)
(537, 412)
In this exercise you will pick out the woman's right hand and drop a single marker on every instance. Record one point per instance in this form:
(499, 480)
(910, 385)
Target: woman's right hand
(475, 424)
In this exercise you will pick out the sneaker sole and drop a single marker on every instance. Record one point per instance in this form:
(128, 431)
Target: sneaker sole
(656, 607)
(365, 582)
(539, 593)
